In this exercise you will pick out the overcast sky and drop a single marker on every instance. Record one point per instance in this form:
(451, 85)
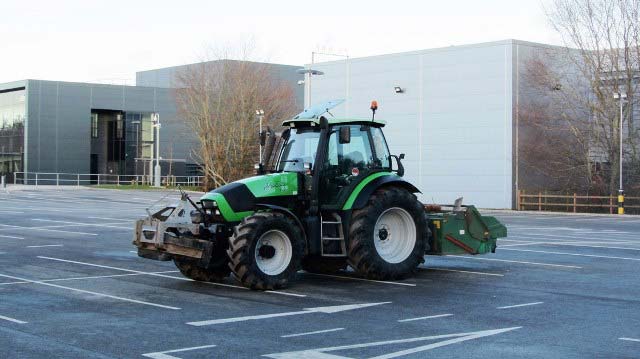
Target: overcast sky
(109, 40)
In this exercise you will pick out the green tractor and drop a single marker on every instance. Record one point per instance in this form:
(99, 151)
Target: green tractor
(333, 198)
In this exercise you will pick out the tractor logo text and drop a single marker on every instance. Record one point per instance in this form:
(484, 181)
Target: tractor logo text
(277, 187)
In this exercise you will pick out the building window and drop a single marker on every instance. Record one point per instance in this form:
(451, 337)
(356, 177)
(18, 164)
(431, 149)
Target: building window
(119, 127)
(94, 125)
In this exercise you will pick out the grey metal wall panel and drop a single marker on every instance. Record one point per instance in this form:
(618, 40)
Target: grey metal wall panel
(453, 121)
(59, 137)
(167, 77)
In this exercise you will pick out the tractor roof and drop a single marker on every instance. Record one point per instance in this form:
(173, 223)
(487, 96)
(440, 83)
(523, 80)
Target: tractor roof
(313, 114)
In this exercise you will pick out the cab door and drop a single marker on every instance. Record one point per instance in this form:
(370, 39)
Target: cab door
(346, 165)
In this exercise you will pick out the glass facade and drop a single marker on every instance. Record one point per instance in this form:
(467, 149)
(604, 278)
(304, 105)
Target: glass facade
(139, 142)
(121, 142)
(12, 120)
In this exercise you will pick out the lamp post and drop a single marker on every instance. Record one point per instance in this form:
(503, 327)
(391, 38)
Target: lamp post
(621, 97)
(137, 123)
(156, 174)
(307, 84)
(260, 114)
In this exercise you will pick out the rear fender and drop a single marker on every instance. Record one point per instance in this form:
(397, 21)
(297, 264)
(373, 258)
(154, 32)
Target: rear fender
(388, 180)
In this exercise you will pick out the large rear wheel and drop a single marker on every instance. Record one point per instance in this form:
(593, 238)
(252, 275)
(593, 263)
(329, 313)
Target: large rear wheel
(265, 250)
(389, 235)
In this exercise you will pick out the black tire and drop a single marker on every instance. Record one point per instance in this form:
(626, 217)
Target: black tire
(191, 270)
(323, 265)
(362, 253)
(244, 259)
(217, 269)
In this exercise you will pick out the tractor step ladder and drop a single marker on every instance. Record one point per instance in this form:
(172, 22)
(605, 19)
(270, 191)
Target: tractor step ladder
(335, 230)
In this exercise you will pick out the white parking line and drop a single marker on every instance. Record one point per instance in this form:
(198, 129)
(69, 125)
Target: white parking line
(163, 355)
(321, 353)
(47, 245)
(47, 229)
(571, 254)
(279, 292)
(89, 277)
(13, 237)
(521, 262)
(167, 276)
(423, 318)
(362, 279)
(311, 333)
(12, 320)
(106, 225)
(519, 305)
(576, 244)
(112, 219)
(630, 339)
(89, 292)
(326, 310)
(603, 236)
(463, 271)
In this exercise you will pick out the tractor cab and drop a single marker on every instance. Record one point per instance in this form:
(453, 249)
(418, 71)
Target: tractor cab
(339, 152)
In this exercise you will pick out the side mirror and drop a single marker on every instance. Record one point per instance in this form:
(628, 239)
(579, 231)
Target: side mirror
(400, 170)
(345, 134)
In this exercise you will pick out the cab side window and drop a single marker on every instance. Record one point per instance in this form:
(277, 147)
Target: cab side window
(346, 163)
(356, 154)
(382, 158)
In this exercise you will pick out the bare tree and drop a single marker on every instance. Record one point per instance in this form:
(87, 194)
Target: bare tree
(578, 116)
(554, 130)
(218, 100)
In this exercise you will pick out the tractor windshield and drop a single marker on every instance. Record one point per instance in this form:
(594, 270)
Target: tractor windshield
(301, 148)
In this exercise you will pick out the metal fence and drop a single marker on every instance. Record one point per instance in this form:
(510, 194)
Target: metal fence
(87, 179)
(541, 201)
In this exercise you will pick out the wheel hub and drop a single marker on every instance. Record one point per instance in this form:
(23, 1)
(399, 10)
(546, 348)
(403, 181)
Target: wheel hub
(383, 233)
(267, 251)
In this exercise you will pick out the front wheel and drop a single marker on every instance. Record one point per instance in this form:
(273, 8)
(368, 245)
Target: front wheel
(265, 251)
(192, 271)
(389, 235)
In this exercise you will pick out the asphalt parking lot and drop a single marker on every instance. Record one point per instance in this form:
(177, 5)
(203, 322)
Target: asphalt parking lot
(564, 286)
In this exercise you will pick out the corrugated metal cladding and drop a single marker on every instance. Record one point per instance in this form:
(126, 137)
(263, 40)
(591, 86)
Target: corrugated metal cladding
(58, 121)
(453, 119)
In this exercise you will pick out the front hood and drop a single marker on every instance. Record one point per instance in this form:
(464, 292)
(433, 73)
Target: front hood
(238, 199)
(274, 184)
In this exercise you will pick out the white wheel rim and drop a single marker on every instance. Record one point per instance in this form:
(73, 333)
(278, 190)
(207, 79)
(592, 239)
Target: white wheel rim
(394, 235)
(282, 256)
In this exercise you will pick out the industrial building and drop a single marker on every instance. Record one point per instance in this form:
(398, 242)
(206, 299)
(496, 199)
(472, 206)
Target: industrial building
(452, 111)
(51, 127)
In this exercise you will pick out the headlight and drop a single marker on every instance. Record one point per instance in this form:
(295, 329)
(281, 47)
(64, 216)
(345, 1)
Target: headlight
(208, 204)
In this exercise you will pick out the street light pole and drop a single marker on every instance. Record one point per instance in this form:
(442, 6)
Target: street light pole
(156, 175)
(260, 114)
(620, 96)
(307, 84)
